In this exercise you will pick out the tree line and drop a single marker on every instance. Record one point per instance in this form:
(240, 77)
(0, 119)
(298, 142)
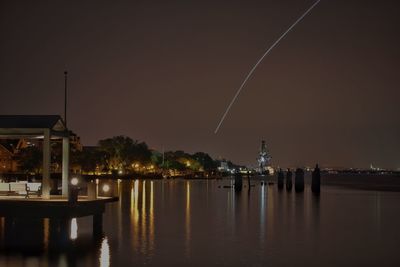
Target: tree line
(120, 154)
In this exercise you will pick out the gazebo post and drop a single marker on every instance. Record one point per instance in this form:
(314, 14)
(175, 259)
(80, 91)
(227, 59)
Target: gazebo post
(65, 166)
(46, 165)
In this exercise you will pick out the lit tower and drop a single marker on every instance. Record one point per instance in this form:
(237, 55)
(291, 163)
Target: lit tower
(263, 158)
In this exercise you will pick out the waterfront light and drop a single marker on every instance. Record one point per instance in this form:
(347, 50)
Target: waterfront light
(106, 188)
(74, 181)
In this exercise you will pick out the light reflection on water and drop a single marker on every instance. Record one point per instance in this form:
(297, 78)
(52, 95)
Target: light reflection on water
(104, 259)
(181, 222)
(262, 213)
(270, 214)
(151, 218)
(187, 221)
(74, 229)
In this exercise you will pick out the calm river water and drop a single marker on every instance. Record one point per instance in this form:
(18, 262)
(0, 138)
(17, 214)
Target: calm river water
(200, 223)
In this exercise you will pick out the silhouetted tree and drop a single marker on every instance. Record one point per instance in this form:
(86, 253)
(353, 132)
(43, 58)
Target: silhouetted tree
(121, 152)
(30, 159)
(206, 161)
(176, 165)
(90, 158)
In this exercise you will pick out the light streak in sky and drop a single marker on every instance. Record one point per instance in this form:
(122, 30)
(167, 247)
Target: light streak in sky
(259, 61)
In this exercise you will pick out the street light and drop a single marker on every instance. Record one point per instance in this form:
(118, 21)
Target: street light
(74, 181)
(106, 188)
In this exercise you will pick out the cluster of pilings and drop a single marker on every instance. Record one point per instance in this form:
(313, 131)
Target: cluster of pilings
(299, 180)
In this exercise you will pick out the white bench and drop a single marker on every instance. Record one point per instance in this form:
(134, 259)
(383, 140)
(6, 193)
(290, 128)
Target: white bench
(34, 188)
(20, 188)
(4, 188)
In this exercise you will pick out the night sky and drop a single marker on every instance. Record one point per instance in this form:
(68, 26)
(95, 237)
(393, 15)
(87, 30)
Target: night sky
(164, 72)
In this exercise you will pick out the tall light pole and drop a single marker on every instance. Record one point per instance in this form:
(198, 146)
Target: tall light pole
(65, 146)
(65, 97)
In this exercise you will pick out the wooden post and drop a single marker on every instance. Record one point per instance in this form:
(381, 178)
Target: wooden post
(115, 188)
(9, 232)
(299, 180)
(281, 177)
(91, 190)
(289, 180)
(97, 225)
(316, 180)
(238, 182)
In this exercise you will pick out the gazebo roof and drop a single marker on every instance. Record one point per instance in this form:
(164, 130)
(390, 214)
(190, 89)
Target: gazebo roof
(31, 125)
(31, 121)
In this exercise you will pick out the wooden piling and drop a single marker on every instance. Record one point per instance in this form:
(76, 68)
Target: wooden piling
(299, 180)
(316, 180)
(289, 182)
(281, 177)
(97, 225)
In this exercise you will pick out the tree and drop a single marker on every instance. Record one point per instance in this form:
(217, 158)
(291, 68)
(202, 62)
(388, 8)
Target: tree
(90, 159)
(115, 149)
(176, 165)
(156, 158)
(30, 159)
(206, 161)
(121, 152)
(137, 152)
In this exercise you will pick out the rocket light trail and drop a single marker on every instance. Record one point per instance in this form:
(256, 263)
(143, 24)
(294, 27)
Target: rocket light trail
(259, 61)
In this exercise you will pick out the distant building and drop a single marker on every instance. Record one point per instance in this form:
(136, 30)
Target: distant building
(75, 141)
(9, 150)
(264, 159)
(6, 160)
(373, 168)
(224, 167)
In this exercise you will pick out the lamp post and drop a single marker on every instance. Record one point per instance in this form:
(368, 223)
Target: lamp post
(65, 97)
(74, 190)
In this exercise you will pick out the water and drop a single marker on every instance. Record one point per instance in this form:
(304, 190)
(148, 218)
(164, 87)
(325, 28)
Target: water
(200, 223)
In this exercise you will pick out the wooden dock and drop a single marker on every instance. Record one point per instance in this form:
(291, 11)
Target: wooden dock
(21, 214)
(55, 207)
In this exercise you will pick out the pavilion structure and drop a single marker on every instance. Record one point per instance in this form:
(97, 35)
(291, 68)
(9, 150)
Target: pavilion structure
(46, 128)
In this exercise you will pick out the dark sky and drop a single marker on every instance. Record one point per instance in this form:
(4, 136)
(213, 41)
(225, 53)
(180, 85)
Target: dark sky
(164, 72)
